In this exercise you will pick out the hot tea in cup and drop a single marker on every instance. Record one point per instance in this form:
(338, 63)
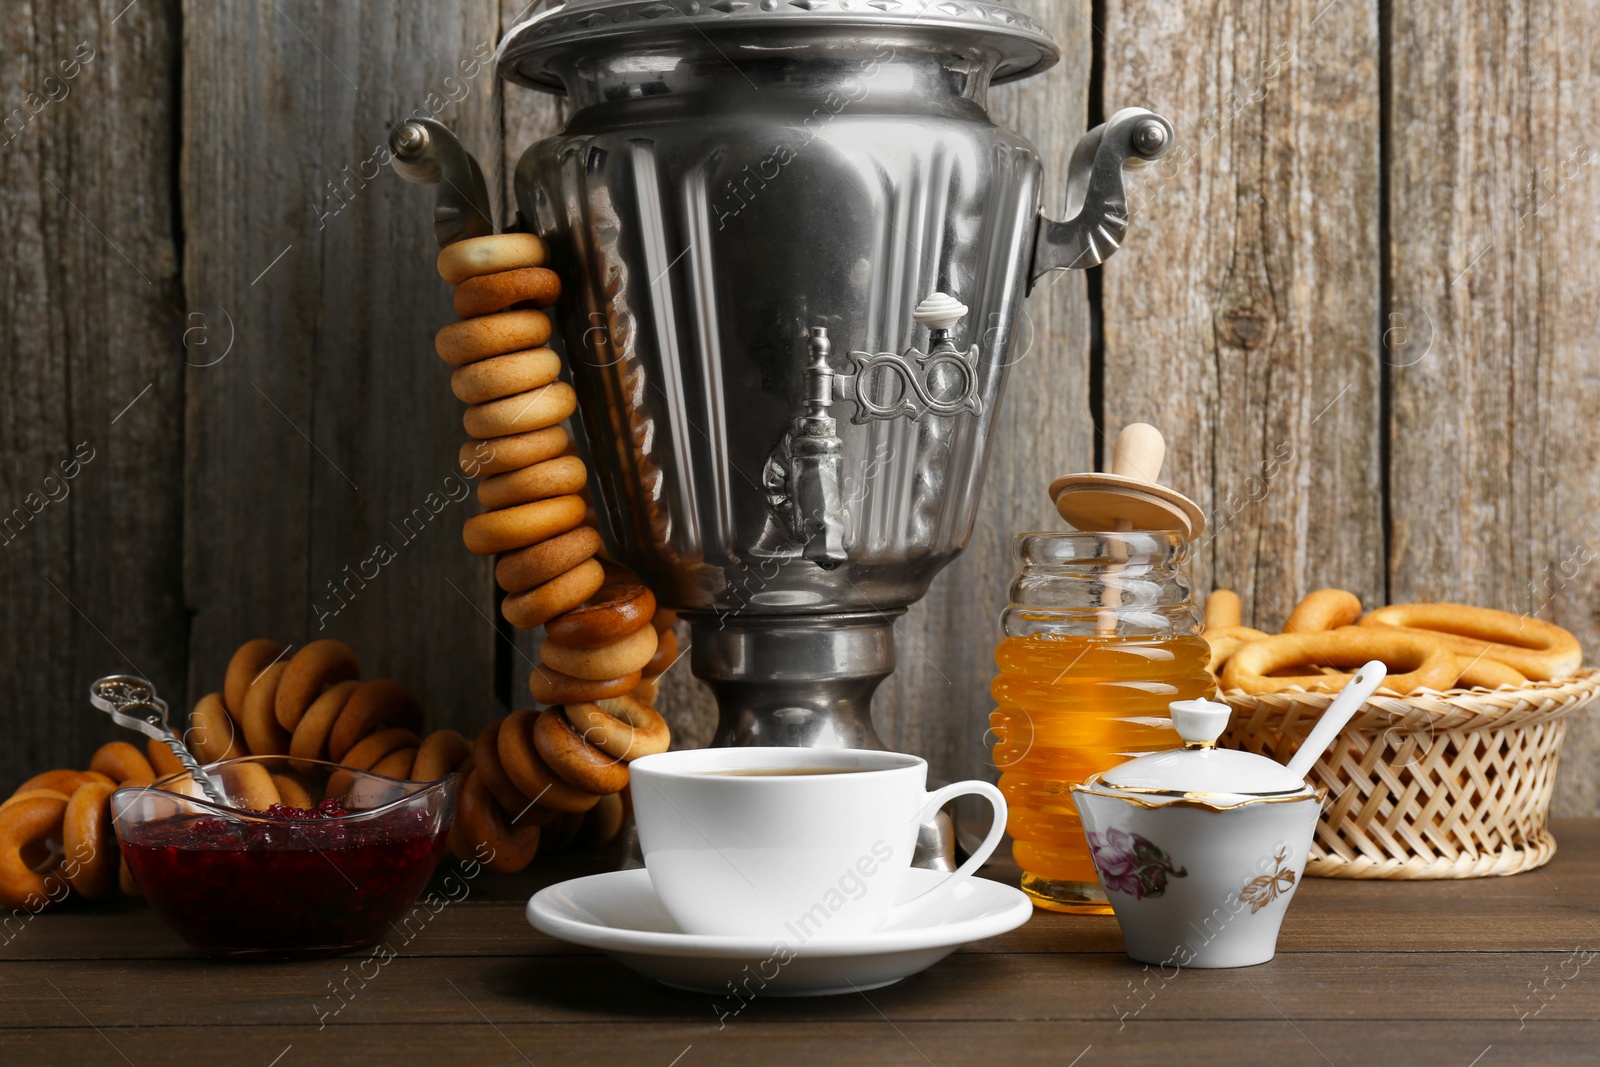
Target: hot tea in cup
(792, 844)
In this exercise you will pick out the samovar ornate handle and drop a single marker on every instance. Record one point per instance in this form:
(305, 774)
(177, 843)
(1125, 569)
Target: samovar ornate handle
(426, 152)
(1096, 194)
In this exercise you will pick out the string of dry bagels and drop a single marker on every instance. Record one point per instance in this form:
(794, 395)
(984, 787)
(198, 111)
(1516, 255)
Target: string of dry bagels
(525, 785)
(600, 643)
(606, 641)
(521, 781)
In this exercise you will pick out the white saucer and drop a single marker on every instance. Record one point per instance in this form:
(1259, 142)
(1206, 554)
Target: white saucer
(618, 913)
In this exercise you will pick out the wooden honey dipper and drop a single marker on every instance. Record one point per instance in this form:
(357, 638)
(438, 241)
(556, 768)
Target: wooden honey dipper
(1128, 498)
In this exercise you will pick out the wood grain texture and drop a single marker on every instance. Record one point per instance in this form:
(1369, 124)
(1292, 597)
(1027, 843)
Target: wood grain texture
(91, 490)
(977, 987)
(937, 702)
(1241, 316)
(324, 495)
(870, 1043)
(1366, 972)
(1497, 287)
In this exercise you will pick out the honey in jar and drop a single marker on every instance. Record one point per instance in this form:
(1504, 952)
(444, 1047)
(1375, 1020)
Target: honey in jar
(1100, 636)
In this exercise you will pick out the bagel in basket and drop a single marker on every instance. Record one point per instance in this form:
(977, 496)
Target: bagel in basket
(1416, 661)
(1540, 651)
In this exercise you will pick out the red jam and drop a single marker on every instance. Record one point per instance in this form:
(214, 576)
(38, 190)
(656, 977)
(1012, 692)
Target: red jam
(316, 883)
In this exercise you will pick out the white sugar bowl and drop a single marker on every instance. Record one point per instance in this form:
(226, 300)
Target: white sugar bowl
(1200, 849)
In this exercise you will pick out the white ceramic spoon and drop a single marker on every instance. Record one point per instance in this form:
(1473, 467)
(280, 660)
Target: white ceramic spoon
(1343, 708)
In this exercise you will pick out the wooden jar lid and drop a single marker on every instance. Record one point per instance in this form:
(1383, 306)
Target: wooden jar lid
(1129, 498)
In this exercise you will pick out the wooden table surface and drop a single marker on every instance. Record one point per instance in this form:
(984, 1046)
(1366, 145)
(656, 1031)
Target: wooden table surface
(1467, 974)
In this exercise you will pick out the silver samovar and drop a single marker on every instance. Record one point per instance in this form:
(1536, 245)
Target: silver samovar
(795, 248)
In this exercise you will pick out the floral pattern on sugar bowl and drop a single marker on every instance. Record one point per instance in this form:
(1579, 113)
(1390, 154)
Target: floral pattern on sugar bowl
(1131, 864)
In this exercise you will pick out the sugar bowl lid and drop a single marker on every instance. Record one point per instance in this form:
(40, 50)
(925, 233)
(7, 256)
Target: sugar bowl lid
(1200, 770)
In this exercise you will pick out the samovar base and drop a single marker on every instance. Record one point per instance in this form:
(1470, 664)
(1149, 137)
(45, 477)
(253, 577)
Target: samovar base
(805, 681)
(794, 681)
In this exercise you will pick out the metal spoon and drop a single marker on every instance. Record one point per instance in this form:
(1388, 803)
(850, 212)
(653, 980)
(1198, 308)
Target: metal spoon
(1343, 708)
(132, 702)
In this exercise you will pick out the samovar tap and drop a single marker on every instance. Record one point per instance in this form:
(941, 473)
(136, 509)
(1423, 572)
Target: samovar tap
(816, 453)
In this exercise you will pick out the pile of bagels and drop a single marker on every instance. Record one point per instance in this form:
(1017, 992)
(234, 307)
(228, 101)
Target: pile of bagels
(528, 777)
(532, 778)
(1427, 647)
(56, 838)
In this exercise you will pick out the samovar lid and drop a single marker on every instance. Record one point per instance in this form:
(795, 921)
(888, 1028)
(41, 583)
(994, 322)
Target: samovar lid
(527, 51)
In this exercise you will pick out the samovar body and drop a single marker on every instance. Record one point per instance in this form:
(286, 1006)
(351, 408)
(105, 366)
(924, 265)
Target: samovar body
(701, 245)
(795, 250)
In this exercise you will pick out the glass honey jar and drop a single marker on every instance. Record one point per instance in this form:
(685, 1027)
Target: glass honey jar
(1101, 635)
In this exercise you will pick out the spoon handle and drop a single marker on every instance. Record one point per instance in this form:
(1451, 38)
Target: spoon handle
(1340, 712)
(208, 784)
(132, 702)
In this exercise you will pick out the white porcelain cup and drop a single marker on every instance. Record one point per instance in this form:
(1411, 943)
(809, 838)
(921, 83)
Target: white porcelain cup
(737, 843)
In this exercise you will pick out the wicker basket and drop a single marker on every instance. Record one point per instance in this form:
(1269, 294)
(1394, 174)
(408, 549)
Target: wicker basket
(1434, 785)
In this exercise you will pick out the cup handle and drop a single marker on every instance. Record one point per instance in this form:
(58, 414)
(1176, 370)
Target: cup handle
(944, 889)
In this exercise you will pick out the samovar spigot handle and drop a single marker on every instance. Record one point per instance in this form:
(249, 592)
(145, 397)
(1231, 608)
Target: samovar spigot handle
(1097, 200)
(426, 152)
(940, 313)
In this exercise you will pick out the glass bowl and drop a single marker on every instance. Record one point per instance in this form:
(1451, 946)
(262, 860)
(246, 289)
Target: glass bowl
(342, 854)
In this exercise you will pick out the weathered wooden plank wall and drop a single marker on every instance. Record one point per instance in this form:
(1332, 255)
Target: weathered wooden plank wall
(91, 412)
(1369, 336)
(328, 432)
(1243, 316)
